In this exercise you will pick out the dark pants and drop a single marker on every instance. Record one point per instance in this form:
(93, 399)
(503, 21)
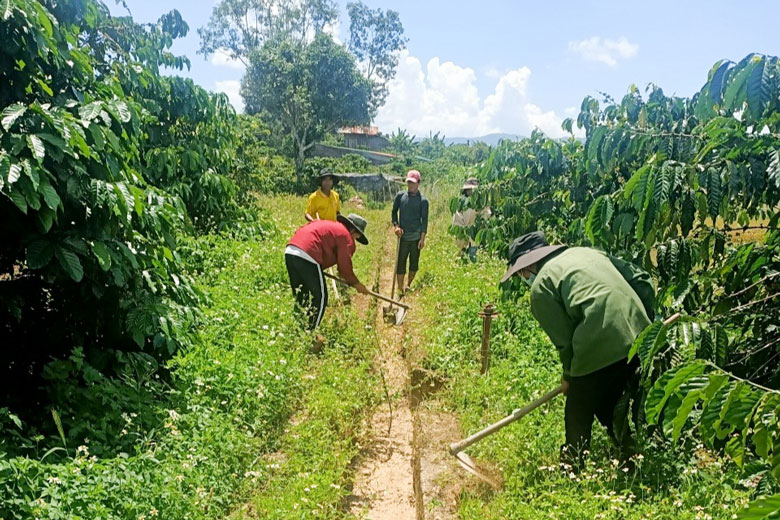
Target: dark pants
(308, 286)
(408, 249)
(596, 394)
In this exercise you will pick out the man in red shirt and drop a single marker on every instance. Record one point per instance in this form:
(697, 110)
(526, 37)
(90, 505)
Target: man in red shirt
(313, 248)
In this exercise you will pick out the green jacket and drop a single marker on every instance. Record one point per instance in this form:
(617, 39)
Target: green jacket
(584, 302)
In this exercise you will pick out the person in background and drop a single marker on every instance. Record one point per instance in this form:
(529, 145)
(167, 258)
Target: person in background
(315, 246)
(592, 306)
(466, 219)
(410, 222)
(324, 204)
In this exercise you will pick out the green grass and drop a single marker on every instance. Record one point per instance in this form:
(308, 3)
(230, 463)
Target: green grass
(198, 435)
(310, 474)
(669, 482)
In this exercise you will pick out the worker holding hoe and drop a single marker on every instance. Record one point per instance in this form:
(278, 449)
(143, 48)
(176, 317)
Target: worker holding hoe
(316, 246)
(592, 306)
(324, 204)
(410, 222)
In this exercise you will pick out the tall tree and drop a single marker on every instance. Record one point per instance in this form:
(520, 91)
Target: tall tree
(375, 38)
(239, 27)
(307, 88)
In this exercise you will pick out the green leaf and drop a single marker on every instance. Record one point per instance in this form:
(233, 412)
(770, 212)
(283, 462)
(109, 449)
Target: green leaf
(669, 383)
(759, 88)
(18, 198)
(714, 192)
(6, 8)
(688, 402)
(70, 263)
(773, 170)
(39, 254)
(11, 113)
(103, 254)
(46, 88)
(761, 509)
(90, 111)
(50, 196)
(14, 172)
(36, 147)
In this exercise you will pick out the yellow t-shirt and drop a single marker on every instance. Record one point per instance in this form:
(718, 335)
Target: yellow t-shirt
(326, 207)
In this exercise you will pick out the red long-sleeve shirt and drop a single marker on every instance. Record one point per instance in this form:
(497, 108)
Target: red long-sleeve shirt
(329, 243)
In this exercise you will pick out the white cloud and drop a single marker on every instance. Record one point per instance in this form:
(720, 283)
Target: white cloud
(233, 90)
(604, 50)
(221, 58)
(444, 97)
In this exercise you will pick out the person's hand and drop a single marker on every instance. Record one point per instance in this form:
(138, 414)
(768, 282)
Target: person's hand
(565, 386)
(362, 289)
(398, 231)
(421, 243)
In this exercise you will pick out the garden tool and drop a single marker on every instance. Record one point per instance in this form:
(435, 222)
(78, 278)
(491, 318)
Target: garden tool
(456, 448)
(388, 310)
(372, 293)
(484, 474)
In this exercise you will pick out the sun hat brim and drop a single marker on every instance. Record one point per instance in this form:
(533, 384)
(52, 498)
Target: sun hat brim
(344, 220)
(530, 258)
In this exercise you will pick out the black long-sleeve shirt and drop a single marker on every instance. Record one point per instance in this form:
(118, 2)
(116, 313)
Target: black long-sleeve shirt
(414, 214)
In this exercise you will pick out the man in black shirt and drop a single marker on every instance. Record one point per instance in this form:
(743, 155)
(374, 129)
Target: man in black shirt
(410, 219)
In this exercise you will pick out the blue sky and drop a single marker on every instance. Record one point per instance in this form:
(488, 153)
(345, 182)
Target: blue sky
(509, 66)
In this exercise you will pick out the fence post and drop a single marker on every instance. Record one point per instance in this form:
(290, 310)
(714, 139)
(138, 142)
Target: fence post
(487, 314)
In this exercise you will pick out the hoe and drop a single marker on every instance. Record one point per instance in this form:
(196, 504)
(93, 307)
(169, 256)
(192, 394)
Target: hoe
(375, 295)
(489, 476)
(456, 448)
(388, 310)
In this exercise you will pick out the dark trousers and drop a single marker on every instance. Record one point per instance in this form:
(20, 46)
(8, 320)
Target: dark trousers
(408, 249)
(308, 286)
(596, 394)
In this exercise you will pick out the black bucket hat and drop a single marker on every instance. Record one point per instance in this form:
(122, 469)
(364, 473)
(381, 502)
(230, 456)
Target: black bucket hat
(527, 250)
(355, 221)
(327, 172)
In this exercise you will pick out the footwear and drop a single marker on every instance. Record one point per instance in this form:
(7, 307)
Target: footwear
(317, 344)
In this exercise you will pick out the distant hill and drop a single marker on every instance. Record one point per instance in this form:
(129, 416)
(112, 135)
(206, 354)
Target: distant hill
(489, 139)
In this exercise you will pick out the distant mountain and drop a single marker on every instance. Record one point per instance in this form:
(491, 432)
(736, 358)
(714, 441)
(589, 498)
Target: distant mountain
(490, 139)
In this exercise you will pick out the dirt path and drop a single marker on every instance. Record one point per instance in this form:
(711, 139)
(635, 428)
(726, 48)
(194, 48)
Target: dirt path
(403, 471)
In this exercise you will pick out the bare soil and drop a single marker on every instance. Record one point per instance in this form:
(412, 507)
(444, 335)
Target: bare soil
(404, 470)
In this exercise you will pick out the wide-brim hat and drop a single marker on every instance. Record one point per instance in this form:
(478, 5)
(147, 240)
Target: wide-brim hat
(527, 250)
(326, 172)
(470, 184)
(355, 221)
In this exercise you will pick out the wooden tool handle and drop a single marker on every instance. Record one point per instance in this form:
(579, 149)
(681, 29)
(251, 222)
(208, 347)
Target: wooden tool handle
(457, 447)
(372, 293)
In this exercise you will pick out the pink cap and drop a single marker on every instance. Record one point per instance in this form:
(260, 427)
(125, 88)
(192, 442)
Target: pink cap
(413, 175)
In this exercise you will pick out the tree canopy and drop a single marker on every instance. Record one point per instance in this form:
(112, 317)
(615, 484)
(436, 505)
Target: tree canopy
(308, 89)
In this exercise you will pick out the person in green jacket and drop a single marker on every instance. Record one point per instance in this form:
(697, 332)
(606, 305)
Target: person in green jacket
(592, 306)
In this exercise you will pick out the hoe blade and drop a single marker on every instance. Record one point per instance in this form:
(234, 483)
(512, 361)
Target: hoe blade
(490, 476)
(400, 315)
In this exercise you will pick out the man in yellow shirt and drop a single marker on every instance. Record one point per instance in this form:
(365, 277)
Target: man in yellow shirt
(324, 204)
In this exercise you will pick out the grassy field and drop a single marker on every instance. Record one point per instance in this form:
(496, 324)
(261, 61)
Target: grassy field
(251, 424)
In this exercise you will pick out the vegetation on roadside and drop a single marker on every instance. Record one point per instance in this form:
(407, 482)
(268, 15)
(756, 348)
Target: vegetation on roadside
(669, 182)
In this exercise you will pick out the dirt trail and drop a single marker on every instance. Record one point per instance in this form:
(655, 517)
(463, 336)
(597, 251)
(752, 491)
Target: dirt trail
(403, 471)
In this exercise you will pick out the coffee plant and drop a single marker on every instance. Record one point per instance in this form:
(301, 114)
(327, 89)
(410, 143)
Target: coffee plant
(689, 188)
(104, 162)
